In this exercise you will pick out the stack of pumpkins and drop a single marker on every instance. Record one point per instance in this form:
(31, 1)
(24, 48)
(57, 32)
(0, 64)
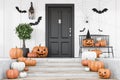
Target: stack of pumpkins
(38, 51)
(19, 68)
(96, 66)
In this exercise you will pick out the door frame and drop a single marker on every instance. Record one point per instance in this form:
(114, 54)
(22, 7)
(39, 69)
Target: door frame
(46, 28)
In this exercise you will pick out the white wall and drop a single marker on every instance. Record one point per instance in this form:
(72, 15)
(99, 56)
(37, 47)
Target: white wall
(10, 18)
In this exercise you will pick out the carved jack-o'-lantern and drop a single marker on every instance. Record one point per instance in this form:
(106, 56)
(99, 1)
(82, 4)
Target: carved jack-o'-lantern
(88, 42)
(41, 51)
(104, 73)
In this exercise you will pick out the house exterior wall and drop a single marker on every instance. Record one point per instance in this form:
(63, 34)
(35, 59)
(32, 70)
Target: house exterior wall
(10, 18)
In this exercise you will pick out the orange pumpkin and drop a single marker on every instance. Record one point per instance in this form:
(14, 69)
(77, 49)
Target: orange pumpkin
(101, 43)
(88, 42)
(21, 59)
(12, 73)
(32, 55)
(85, 62)
(41, 51)
(30, 62)
(26, 69)
(95, 65)
(104, 73)
(98, 52)
(16, 53)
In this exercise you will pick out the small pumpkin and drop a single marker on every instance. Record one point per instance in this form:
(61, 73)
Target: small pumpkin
(18, 65)
(87, 69)
(15, 53)
(12, 73)
(104, 73)
(95, 65)
(26, 69)
(21, 59)
(30, 62)
(98, 52)
(85, 62)
(88, 42)
(23, 74)
(101, 43)
(32, 55)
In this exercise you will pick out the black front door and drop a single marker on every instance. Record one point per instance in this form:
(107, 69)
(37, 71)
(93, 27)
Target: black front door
(59, 31)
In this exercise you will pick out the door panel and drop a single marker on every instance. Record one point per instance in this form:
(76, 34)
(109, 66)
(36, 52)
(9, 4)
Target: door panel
(60, 32)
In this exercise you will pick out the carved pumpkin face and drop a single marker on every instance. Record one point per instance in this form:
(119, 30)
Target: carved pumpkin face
(88, 42)
(41, 51)
(104, 73)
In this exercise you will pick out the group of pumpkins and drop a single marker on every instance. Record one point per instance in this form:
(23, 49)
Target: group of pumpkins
(91, 43)
(19, 68)
(96, 66)
(37, 51)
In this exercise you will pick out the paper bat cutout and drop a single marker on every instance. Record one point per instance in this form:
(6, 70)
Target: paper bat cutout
(82, 30)
(32, 24)
(100, 30)
(99, 11)
(20, 11)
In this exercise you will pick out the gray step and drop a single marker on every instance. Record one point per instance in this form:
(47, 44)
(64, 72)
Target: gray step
(58, 64)
(62, 74)
(59, 60)
(59, 78)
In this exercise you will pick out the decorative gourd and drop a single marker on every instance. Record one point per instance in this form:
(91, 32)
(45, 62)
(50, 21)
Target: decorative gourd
(95, 65)
(104, 73)
(16, 53)
(12, 73)
(98, 52)
(87, 69)
(23, 74)
(30, 62)
(21, 59)
(88, 42)
(101, 43)
(41, 51)
(90, 55)
(32, 55)
(18, 65)
(85, 62)
(26, 69)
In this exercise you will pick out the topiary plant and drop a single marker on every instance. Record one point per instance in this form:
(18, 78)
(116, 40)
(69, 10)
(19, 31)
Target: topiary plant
(24, 31)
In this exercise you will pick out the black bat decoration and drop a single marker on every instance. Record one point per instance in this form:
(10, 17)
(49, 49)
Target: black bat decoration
(99, 11)
(82, 30)
(100, 30)
(32, 24)
(20, 11)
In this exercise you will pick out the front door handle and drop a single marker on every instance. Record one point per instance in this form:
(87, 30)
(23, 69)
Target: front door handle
(70, 31)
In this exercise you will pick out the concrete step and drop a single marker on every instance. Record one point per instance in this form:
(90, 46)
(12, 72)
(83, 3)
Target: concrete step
(58, 64)
(55, 68)
(59, 60)
(58, 78)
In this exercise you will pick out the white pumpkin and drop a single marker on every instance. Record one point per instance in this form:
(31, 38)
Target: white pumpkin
(23, 74)
(90, 55)
(18, 65)
(87, 69)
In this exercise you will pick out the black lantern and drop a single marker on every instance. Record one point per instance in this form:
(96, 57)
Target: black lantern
(31, 12)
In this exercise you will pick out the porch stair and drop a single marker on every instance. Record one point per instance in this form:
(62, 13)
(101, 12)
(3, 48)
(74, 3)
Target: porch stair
(59, 69)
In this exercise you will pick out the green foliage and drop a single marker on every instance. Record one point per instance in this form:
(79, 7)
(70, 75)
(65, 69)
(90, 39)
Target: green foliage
(24, 31)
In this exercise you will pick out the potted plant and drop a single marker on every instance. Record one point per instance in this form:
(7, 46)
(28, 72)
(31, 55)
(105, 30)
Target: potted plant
(24, 31)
